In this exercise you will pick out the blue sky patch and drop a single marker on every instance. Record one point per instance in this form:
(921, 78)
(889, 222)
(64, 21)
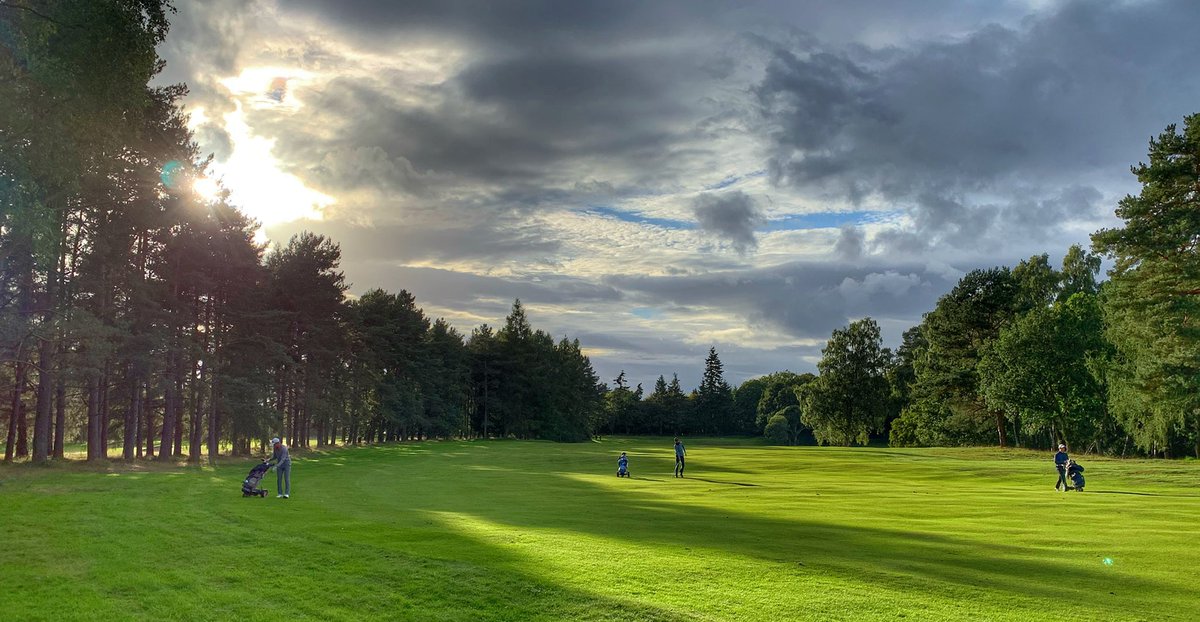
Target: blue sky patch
(733, 179)
(626, 216)
(646, 313)
(818, 220)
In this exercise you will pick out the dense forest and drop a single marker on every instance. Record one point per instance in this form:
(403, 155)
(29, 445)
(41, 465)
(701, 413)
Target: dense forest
(136, 312)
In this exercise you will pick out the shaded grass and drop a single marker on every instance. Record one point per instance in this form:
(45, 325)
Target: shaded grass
(507, 530)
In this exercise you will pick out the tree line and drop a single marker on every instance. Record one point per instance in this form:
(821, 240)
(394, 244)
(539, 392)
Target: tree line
(138, 313)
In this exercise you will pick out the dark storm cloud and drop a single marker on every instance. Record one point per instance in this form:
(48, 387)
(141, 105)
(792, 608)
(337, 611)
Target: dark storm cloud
(521, 24)
(1015, 115)
(731, 216)
(489, 296)
(849, 245)
(495, 238)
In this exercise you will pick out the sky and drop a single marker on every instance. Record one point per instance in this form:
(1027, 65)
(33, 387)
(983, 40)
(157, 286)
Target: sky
(656, 178)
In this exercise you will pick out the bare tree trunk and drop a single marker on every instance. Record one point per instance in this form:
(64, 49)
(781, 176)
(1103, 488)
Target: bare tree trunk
(95, 451)
(281, 402)
(45, 401)
(293, 426)
(15, 414)
(197, 415)
(214, 412)
(214, 421)
(130, 439)
(104, 420)
(148, 421)
(167, 441)
(60, 418)
(22, 431)
(45, 391)
(140, 414)
(178, 435)
(198, 407)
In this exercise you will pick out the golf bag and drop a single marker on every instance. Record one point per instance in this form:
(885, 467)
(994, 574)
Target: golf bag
(250, 484)
(1075, 475)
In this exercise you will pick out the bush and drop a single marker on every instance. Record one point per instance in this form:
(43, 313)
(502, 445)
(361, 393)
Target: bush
(778, 430)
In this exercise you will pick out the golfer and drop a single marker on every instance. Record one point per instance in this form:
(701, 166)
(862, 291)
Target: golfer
(1060, 463)
(282, 468)
(680, 452)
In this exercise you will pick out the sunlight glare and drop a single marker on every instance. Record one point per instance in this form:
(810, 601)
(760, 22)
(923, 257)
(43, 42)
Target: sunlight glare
(207, 188)
(257, 183)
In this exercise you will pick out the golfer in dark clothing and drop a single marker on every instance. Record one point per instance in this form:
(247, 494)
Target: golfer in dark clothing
(283, 469)
(1060, 463)
(679, 454)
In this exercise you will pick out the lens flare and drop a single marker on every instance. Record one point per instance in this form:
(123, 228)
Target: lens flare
(171, 172)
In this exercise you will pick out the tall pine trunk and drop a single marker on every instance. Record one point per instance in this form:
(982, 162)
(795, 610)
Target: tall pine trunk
(94, 452)
(148, 423)
(43, 416)
(179, 388)
(214, 411)
(130, 438)
(19, 372)
(60, 417)
(104, 410)
(167, 439)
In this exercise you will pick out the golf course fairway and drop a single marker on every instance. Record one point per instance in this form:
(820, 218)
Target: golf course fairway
(516, 530)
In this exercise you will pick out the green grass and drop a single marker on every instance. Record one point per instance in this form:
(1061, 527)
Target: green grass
(541, 531)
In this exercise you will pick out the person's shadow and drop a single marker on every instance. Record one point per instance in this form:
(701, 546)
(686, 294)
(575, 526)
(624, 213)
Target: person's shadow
(1139, 494)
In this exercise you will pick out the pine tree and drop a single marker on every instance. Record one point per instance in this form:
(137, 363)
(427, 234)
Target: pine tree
(714, 398)
(1152, 300)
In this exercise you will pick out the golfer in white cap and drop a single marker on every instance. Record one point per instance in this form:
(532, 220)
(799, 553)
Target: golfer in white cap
(283, 469)
(1060, 463)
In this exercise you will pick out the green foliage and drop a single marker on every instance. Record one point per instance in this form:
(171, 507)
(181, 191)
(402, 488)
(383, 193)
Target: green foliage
(947, 406)
(778, 430)
(1079, 270)
(901, 373)
(527, 386)
(623, 406)
(745, 406)
(1038, 370)
(848, 400)
(1036, 282)
(712, 409)
(1152, 301)
(780, 393)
